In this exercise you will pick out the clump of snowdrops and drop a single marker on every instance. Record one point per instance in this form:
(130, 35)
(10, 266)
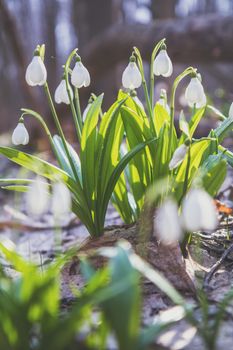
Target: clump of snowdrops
(126, 149)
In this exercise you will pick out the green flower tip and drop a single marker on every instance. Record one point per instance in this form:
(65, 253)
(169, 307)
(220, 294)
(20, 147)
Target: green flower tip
(187, 142)
(77, 58)
(164, 46)
(132, 58)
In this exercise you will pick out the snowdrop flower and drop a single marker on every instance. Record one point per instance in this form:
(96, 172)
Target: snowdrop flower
(163, 100)
(131, 77)
(194, 92)
(37, 197)
(163, 64)
(80, 76)
(178, 156)
(167, 223)
(61, 94)
(199, 211)
(88, 106)
(61, 200)
(36, 73)
(134, 96)
(20, 135)
(230, 115)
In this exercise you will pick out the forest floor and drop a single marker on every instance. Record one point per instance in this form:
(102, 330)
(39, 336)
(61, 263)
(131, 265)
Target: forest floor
(38, 242)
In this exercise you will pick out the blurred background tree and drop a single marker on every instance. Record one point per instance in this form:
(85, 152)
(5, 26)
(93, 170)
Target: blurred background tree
(198, 32)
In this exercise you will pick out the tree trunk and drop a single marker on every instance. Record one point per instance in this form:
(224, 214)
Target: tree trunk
(203, 39)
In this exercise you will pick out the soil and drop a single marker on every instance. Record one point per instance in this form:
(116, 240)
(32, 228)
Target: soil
(38, 240)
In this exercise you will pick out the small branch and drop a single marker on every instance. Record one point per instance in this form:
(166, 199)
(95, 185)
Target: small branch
(216, 266)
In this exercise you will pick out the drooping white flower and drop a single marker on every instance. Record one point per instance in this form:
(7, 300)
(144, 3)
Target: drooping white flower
(131, 77)
(194, 92)
(200, 104)
(199, 211)
(61, 200)
(167, 223)
(178, 156)
(61, 94)
(163, 64)
(80, 76)
(20, 135)
(230, 115)
(36, 73)
(37, 197)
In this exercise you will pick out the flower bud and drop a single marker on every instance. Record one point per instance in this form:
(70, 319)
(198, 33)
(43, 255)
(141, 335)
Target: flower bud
(61, 200)
(163, 64)
(194, 92)
(86, 110)
(230, 115)
(199, 211)
(20, 135)
(131, 77)
(163, 100)
(61, 94)
(37, 197)
(36, 73)
(178, 156)
(80, 76)
(167, 223)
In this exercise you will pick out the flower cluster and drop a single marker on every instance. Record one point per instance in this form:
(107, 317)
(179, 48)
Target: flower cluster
(198, 213)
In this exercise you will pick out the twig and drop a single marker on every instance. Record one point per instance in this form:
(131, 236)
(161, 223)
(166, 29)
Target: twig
(216, 266)
(31, 228)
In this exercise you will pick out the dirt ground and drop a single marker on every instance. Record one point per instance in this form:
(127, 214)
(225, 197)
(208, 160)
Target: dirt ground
(38, 241)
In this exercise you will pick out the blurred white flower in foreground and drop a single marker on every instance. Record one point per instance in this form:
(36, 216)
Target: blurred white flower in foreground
(61, 93)
(194, 92)
(80, 76)
(131, 77)
(163, 64)
(20, 135)
(167, 223)
(37, 197)
(199, 211)
(178, 156)
(61, 200)
(36, 73)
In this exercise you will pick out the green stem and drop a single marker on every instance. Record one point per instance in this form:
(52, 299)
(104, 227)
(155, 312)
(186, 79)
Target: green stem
(74, 114)
(187, 172)
(78, 109)
(76, 117)
(186, 72)
(145, 89)
(59, 128)
(154, 53)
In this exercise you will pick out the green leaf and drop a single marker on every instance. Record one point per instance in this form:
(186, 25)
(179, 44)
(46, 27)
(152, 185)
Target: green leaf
(193, 123)
(118, 170)
(161, 157)
(224, 128)
(214, 172)
(88, 151)
(64, 161)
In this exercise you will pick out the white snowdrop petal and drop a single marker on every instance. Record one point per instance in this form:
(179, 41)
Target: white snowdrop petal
(131, 78)
(162, 64)
(61, 200)
(167, 224)
(178, 157)
(80, 76)
(20, 135)
(61, 95)
(37, 197)
(199, 212)
(36, 73)
(231, 111)
(194, 92)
